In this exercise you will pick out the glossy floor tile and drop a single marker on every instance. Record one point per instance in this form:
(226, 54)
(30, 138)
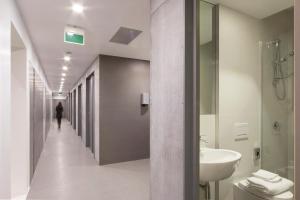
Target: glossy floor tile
(68, 171)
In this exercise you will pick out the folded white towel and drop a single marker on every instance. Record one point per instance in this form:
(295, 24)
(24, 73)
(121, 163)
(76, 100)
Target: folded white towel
(265, 175)
(275, 180)
(270, 188)
(244, 184)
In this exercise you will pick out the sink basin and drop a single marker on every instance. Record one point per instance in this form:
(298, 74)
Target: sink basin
(217, 164)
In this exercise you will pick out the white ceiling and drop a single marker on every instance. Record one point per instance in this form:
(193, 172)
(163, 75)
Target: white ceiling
(46, 20)
(256, 8)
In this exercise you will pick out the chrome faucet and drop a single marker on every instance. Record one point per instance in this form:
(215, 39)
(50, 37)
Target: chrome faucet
(203, 140)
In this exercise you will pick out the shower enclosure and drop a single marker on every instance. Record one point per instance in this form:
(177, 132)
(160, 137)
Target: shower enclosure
(277, 119)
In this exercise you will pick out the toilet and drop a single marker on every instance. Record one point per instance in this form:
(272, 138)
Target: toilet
(242, 192)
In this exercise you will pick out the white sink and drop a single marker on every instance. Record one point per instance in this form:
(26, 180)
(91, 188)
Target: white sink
(217, 164)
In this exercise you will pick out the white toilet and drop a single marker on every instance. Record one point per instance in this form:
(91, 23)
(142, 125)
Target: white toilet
(242, 192)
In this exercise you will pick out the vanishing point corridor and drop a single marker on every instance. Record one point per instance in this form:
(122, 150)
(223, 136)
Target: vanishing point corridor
(67, 170)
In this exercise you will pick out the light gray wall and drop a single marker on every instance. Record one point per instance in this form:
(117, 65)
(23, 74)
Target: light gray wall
(172, 101)
(124, 123)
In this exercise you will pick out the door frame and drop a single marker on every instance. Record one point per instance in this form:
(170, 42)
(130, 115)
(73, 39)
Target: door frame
(192, 96)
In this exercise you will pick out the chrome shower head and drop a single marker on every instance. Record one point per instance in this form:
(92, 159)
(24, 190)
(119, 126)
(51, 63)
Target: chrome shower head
(273, 43)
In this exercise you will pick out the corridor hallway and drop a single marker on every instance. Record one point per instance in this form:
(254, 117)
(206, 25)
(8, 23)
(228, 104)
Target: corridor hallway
(68, 171)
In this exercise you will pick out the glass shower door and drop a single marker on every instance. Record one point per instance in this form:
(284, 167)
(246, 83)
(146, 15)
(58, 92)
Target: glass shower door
(278, 98)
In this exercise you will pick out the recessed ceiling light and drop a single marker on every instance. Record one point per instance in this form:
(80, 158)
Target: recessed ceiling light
(67, 58)
(62, 79)
(63, 74)
(77, 8)
(65, 68)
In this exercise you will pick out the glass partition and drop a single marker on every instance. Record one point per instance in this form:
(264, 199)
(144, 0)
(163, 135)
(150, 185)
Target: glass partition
(278, 94)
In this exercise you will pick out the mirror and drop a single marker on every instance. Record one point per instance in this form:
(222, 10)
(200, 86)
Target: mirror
(207, 50)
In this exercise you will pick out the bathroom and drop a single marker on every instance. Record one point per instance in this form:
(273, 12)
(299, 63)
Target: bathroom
(246, 58)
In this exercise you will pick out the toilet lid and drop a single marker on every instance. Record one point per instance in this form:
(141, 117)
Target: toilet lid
(284, 196)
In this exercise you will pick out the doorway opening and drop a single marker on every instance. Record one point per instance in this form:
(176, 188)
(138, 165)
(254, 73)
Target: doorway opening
(79, 111)
(90, 101)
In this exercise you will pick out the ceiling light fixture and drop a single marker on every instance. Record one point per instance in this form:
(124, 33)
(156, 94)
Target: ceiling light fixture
(77, 8)
(62, 79)
(65, 68)
(67, 58)
(63, 74)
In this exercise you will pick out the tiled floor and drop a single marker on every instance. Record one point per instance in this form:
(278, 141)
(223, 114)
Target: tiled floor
(67, 171)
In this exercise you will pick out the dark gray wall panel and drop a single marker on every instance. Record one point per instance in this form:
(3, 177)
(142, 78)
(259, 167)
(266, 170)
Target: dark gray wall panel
(48, 112)
(80, 110)
(74, 109)
(71, 108)
(31, 84)
(36, 119)
(124, 123)
(90, 111)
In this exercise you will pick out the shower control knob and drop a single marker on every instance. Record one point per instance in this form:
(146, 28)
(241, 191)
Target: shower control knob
(276, 126)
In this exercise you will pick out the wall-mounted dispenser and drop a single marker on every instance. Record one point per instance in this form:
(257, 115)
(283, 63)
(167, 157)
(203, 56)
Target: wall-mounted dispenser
(145, 99)
(256, 153)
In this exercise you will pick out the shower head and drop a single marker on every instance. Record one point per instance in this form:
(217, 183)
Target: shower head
(273, 42)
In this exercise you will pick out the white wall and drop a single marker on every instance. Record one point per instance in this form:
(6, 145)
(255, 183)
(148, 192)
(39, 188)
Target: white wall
(239, 89)
(19, 125)
(208, 130)
(10, 14)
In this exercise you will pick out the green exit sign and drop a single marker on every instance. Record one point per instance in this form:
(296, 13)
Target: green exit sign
(74, 38)
(74, 35)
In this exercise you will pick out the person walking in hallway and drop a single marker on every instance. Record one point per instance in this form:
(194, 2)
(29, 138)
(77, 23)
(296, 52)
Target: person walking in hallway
(59, 111)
